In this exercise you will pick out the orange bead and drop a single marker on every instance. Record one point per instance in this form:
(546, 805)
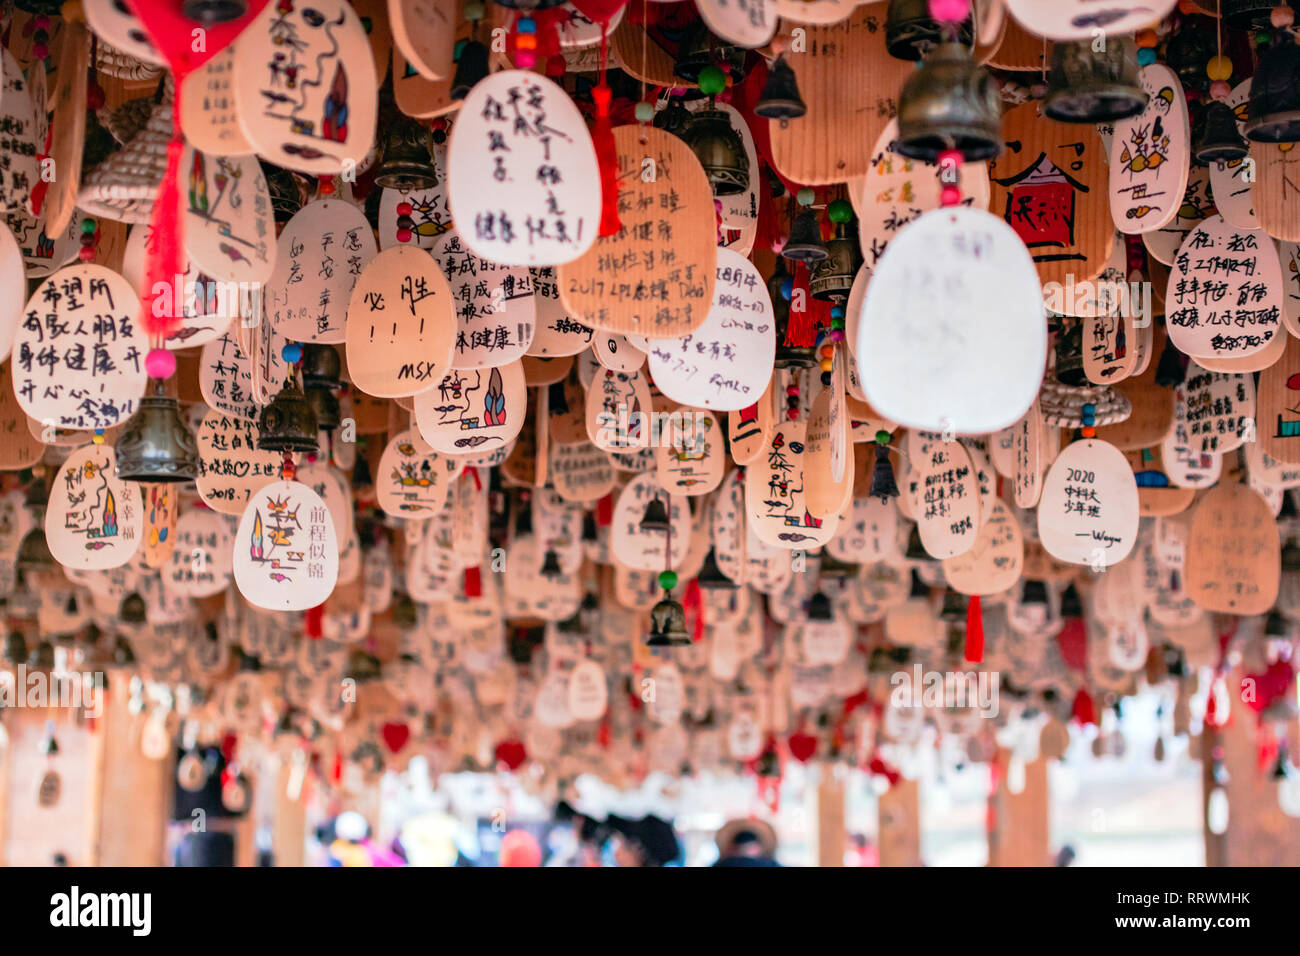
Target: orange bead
(1188, 6)
(828, 364)
(827, 351)
(1219, 68)
(526, 41)
(1087, 431)
(1147, 38)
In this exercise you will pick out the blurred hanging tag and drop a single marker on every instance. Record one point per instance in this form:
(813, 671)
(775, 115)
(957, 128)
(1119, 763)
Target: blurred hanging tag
(1150, 156)
(306, 93)
(1085, 19)
(400, 326)
(412, 480)
(1197, 205)
(521, 169)
(425, 31)
(1088, 513)
(94, 519)
(229, 226)
(1233, 552)
(1274, 194)
(286, 553)
(994, 562)
(774, 494)
(642, 549)
(941, 486)
(748, 25)
(202, 562)
(689, 458)
(208, 115)
(117, 24)
(558, 333)
(921, 367)
(160, 510)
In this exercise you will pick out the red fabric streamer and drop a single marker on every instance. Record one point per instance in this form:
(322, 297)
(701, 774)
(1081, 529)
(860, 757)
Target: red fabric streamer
(473, 582)
(1084, 710)
(311, 621)
(605, 511)
(1073, 642)
(602, 137)
(801, 330)
(974, 631)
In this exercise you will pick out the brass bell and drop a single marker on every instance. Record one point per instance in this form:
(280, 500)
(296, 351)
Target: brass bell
(1069, 356)
(210, 12)
(471, 66)
(329, 415)
(1033, 592)
(954, 607)
(720, 150)
(1071, 603)
(321, 366)
(699, 48)
(1085, 86)
(805, 242)
(915, 548)
(819, 608)
(42, 658)
(655, 517)
(710, 576)
(34, 552)
(951, 102)
(288, 423)
(363, 666)
(1275, 96)
(1275, 625)
(833, 277)
(132, 610)
(407, 153)
(780, 99)
(551, 565)
(1217, 138)
(668, 625)
(673, 118)
(15, 647)
(910, 31)
(157, 445)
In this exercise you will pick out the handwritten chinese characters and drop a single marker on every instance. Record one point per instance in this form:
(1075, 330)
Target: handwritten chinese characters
(286, 552)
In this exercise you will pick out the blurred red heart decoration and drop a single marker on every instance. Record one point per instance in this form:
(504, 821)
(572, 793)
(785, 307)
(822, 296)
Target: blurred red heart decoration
(802, 746)
(395, 736)
(511, 753)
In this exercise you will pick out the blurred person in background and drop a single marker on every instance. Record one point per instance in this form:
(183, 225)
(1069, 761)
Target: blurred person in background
(520, 848)
(746, 843)
(649, 841)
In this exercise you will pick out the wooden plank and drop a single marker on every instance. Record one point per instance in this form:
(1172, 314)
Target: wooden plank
(900, 825)
(1020, 831)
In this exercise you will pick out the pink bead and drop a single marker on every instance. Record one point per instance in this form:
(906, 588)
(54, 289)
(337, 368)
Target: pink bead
(949, 11)
(311, 458)
(1219, 90)
(1281, 17)
(86, 254)
(403, 235)
(837, 335)
(40, 51)
(160, 363)
(949, 195)
(525, 59)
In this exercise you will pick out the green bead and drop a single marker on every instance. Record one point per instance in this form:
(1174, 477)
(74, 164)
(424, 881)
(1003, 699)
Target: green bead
(645, 112)
(1263, 38)
(712, 80)
(668, 580)
(805, 196)
(841, 210)
(837, 322)
(87, 226)
(882, 437)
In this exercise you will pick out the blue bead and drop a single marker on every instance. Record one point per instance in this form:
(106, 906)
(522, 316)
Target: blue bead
(291, 353)
(526, 25)
(1089, 408)
(837, 312)
(1088, 421)
(1146, 56)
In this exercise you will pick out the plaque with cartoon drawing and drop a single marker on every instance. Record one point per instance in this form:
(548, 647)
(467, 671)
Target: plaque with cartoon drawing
(94, 520)
(473, 408)
(286, 550)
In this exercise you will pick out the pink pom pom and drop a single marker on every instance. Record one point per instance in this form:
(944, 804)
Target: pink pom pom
(949, 11)
(950, 195)
(1219, 90)
(160, 363)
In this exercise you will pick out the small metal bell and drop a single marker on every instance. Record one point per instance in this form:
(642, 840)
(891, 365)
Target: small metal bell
(471, 66)
(329, 415)
(1275, 96)
(720, 150)
(1033, 592)
(363, 666)
(1217, 138)
(1187, 51)
(15, 647)
(699, 48)
(780, 99)
(34, 552)
(805, 242)
(1085, 86)
(668, 625)
(407, 152)
(1275, 625)
(210, 12)
(551, 565)
(321, 366)
(132, 610)
(655, 517)
(1071, 604)
(1069, 356)
(819, 608)
(954, 606)
(288, 191)
(157, 446)
(710, 576)
(42, 658)
(910, 31)
(288, 423)
(951, 102)
(833, 277)
(915, 548)
(832, 568)
(123, 655)
(673, 118)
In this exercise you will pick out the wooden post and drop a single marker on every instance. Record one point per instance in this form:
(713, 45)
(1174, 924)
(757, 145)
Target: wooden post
(135, 792)
(900, 825)
(1020, 830)
(829, 820)
(289, 821)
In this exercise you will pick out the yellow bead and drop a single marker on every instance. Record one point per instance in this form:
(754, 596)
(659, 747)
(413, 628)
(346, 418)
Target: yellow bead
(97, 439)
(1219, 68)
(827, 364)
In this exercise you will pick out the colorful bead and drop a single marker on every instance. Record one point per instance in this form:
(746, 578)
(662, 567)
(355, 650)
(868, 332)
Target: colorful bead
(882, 437)
(405, 209)
(160, 363)
(645, 112)
(40, 51)
(836, 335)
(404, 235)
(827, 365)
(86, 254)
(525, 59)
(1220, 90)
(325, 185)
(526, 25)
(837, 311)
(787, 289)
(1281, 16)
(97, 436)
(951, 157)
(668, 580)
(826, 351)
(1219, 68)
(1146, 56)
(949, 11)
(792, 390)
(88, 226)
(291, 353)
(712, 81)
(949, 195)
(1146, 38)
(805, 196)
(526, 41)
(826, 379)
(840, 210)
(1087, 431)
(792, 414)
(1089, 408)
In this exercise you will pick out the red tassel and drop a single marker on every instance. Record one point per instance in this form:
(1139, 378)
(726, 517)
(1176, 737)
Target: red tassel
(1084, 711)
(974, 631)
(605, 511)
(165, 261)
(602, 137)
(801, 330)
(473, 582)
(311, 621)
(1073, 642)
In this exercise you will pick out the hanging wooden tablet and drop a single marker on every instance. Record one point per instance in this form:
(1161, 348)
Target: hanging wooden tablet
(161, 504)
(557, 333)
(642, 549)
(229, 226)
(1150, 155)
(920, 366)
(824, 493)
(1278, 403)
(1197, 205)
(618, 410)
(231, 468)
(94, 519)
(1088, 513)
(42, 254)
(400, 325)
(1153, 407)
(1185, 465)
(1027, 438)
(642, 55)
(1085, 19)
(117, 24)
(655, 277)
(1232, 183)
(994, 562)
(494, 304)
(1219, 409)
(774, 494)
(1233, 552)
(1224, 297)
(306, 95)
(19, 448)
(1108, 329)
(1276, 190)
(208, 307)
(473, 409)
(320, 254)
(1266, 470)
(209, 118)
(19, 172)
(412, 480)
(581, 472)
(68, 135)
(1020, 50)
(740, 210)
(689, 459)
(428, 211)
(943, 494)
(1049, 185)
(226, 379)
(850, 83)
(869, 533)
(202, 562)
(425, 32)
(726, 363)
(286, 552)
(78, 356)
